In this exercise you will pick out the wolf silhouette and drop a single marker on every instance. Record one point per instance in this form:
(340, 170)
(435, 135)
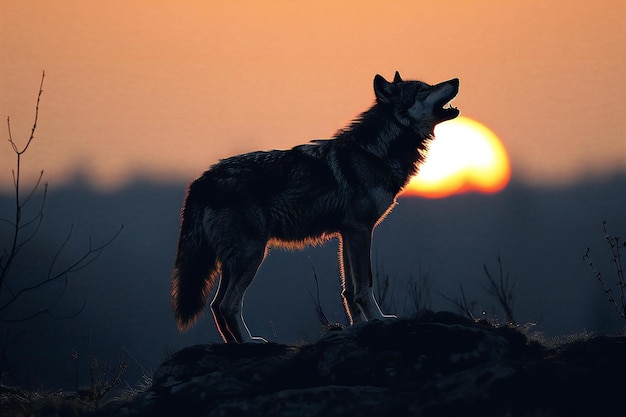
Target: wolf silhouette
(341, 187)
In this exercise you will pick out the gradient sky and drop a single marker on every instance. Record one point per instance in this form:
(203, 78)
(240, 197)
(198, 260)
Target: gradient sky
(162, 89)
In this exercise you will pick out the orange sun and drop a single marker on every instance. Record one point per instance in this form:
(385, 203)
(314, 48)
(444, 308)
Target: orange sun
(465, 156)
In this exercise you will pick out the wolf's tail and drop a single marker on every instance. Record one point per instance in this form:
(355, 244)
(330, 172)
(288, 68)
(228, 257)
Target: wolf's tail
(195, 268)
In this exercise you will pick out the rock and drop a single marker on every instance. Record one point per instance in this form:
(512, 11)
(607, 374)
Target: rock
(434, 364)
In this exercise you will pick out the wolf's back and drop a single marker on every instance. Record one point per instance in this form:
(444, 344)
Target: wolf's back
(195, 266)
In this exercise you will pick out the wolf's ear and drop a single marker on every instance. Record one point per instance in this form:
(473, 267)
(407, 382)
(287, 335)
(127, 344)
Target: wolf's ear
(397, 78)
(383, 89)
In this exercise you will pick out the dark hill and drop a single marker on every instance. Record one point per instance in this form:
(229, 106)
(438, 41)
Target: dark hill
(434, 364)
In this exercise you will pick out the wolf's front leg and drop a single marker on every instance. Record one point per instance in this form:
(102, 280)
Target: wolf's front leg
(347, 284)
(356, 248)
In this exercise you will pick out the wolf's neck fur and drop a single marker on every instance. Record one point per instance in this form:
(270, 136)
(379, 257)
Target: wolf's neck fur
(380, 134)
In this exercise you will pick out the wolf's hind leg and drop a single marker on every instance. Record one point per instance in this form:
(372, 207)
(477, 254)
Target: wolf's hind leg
(237, 274)
(220, 320)
(357, 246)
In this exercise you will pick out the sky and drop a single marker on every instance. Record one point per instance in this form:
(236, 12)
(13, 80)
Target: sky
(163, 89)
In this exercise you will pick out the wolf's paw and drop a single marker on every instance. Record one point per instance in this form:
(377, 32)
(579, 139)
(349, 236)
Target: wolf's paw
(383, 317)
(255, 339)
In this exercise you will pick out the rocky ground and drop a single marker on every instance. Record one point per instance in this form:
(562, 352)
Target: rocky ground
(433, 364)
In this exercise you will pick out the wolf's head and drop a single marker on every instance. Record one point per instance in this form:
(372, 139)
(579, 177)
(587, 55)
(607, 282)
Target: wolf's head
(415, 104)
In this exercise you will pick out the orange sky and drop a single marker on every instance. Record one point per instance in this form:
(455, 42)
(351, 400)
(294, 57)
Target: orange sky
(163, 89)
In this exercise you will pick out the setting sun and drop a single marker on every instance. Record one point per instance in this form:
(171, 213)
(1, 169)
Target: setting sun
(465, 156)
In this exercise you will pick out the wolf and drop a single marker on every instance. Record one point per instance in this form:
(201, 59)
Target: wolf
(341, 187)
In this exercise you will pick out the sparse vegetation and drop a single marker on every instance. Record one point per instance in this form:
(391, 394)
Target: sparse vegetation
(22, 230)
(418, 297)
(319, 310)
(616, 246)
(384, 290)
(469, 309)
(102, 379)
(103, 391)
(418, 294)
(500, 288)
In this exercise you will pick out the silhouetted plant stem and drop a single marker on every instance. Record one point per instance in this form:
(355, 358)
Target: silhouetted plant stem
(317, 303)
(502, 290)
(15, 246)
(23, 231)
(463, 306)
(616, 259)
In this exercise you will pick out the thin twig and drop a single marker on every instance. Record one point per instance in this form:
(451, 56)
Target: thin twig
(462, 305)
(502, 291)
(87, 257)
(15, 246)
(32, 132)
(38, 218)
(317, 304)
(418, 291)
(59, 251)
(34, 189)
(616, 258)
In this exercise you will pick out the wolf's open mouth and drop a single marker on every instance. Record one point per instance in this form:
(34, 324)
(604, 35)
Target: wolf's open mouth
(444, 110)
(450, 106)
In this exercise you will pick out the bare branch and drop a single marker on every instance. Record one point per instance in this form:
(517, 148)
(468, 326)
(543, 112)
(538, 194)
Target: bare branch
(32, 132)
(38, 219)
(15, 246)
(35, 187)
(13, 145)
(47, 311)
(85, 259)
(23, 231)
(69, 316)
(59, 251)
(10, 223)
(92, 254)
